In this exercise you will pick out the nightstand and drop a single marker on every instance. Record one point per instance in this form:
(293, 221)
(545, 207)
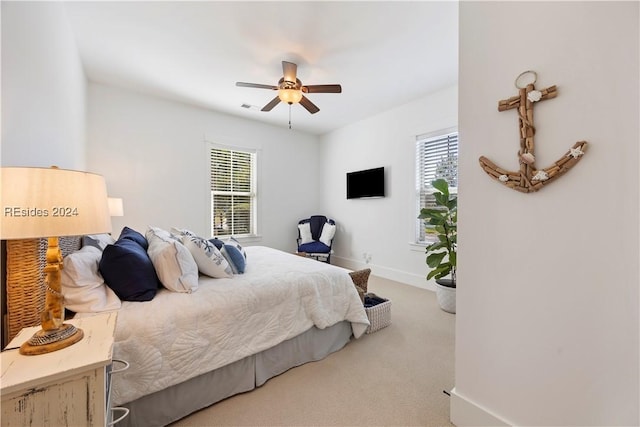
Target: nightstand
(68, 387)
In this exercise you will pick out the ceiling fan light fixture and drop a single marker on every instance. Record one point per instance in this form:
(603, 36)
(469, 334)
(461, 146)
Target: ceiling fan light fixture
(291, 91)
(290, 96)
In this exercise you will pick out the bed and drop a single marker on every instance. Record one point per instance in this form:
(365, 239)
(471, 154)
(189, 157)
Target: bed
(188, 350)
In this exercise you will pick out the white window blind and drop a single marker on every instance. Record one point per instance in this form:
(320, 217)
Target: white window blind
(233, 195)
(436, 157)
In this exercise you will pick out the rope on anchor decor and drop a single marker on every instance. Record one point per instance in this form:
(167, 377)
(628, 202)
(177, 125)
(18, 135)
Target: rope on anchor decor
(528, 178)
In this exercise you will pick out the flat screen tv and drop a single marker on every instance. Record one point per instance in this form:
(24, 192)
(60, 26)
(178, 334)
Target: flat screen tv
(365, 183)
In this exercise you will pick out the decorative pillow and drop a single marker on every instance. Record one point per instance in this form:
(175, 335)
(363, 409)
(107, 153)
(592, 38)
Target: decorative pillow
(360, 279)
(209, 259)
(131, 234)
(232, 241)
(82, 285)
(88, 241)
(305, 233)
(100, 241)
(217, 242)
(128, 270)
(235, 258)
(328, 231)
(174, 264)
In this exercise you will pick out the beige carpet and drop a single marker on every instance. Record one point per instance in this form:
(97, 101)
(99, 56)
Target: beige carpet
(393, 377)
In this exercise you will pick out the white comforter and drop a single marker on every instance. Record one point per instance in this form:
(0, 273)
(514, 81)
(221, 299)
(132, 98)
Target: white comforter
(178, 336)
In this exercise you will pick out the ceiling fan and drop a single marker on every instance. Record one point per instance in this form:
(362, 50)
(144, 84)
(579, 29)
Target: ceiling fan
(291, 90)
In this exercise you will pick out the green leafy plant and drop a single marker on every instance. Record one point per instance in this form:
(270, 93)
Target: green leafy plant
(441, 255)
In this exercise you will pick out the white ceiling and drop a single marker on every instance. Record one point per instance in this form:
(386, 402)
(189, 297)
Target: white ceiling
(384, 54)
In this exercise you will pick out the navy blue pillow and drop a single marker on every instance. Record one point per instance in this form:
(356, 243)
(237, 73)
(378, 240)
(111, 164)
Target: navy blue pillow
(217, 243)
(127, 269)
(131, 234)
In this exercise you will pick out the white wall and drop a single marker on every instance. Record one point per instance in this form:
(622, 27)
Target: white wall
(547, 301)
(43, 88)
(382, 227)
(153, 155)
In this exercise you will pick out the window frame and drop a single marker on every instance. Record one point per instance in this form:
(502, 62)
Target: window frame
(252, 193)
(421, 238)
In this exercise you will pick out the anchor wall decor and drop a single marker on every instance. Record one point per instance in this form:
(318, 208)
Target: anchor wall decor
(529, 179)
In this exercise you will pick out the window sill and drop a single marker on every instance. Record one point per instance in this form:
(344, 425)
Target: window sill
(421, 246)
(417, 247)
(249, 239)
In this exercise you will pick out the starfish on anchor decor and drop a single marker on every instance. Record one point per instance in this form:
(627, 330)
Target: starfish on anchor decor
(529, 178)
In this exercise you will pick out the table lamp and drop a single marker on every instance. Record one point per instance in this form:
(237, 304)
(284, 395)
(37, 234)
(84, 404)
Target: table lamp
(116, 207)
(52, 202)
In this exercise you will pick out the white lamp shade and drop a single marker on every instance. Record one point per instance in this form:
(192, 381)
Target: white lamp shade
(51, 202)
(115, 206)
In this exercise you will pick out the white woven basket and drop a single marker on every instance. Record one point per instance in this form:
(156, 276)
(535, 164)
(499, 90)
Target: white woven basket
(379, 315)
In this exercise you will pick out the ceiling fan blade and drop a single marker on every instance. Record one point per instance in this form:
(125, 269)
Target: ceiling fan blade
(256, 85)
(275, 101)
(322, 89)
(310, 106)
(289, 71)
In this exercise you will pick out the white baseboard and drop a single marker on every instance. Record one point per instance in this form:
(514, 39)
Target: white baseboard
(464, 412)
(385, 272)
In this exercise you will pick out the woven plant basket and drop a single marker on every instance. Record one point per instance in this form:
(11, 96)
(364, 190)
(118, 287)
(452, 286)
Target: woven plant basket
(379, 315)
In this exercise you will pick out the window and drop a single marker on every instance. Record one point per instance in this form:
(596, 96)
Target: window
(233, 192)
(436, 157)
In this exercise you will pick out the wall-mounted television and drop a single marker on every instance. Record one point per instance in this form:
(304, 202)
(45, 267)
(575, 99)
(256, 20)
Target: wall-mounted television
(365, 183)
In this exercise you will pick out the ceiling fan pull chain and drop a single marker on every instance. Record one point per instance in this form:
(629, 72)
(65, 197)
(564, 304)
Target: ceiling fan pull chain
(289, 115)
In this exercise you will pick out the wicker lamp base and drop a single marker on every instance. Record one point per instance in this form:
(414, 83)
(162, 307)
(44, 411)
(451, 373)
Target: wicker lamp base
(47, 341)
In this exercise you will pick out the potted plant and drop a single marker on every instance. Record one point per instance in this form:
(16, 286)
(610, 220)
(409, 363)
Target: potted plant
(441, 255)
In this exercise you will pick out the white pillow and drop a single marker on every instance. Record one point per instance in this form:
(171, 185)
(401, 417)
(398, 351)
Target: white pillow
(174, 264)
(305, 233)
(83, 287)
(102, 240)
(328, 231)
(209, 259)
